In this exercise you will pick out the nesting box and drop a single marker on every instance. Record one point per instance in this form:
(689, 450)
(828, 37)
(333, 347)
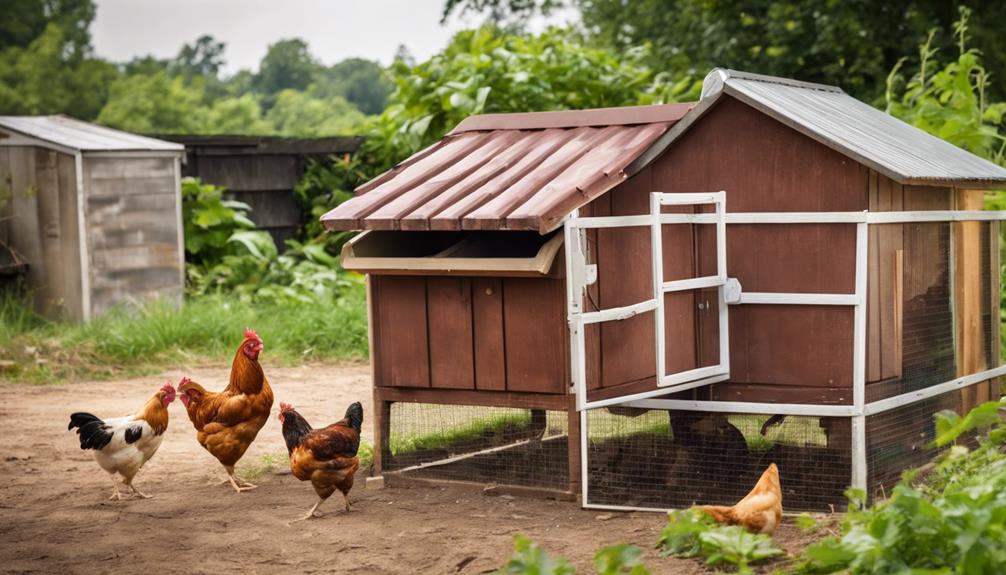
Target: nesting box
(679, 294)
(95, 212)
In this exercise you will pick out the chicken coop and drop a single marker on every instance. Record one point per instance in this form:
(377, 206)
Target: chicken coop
(94, 214)
(643, 307)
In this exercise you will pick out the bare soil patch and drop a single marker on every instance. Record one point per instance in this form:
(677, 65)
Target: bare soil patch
(56, 518)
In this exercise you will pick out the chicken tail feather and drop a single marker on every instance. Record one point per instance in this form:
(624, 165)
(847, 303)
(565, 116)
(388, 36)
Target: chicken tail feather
(354, 415)
(721, 513)
(92, 431)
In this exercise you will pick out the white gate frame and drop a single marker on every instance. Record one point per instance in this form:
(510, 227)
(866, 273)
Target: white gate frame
(857, 411)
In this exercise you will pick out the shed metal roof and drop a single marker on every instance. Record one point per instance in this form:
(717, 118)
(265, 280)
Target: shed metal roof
(508, 171)
(77, 135)
(894, 148)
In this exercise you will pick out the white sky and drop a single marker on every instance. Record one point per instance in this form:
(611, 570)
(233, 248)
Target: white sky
(333, 29)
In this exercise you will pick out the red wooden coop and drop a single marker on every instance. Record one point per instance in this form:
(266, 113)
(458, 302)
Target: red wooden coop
(644, 306)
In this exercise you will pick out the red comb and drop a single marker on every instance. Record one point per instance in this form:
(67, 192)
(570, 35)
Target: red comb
(168, 387)
(184, 381)
(285, 407)
(250, 334)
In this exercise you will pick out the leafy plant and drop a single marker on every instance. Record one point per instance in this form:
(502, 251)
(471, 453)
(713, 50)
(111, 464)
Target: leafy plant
(736, 546)
(680, 536)
(530, 559)
(620, 560)
(210, 222)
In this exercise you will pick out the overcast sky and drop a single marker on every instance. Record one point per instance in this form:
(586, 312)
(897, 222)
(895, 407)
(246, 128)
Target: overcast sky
(333, 29)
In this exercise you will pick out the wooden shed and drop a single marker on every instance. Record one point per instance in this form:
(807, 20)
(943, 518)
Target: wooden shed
(261, 171)
(95, 212)
(784, 272)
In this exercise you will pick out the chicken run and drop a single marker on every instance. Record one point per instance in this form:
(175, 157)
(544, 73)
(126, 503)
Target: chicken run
(647, 308)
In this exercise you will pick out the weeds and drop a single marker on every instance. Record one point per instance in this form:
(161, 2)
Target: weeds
(129, 342)
(486, 427)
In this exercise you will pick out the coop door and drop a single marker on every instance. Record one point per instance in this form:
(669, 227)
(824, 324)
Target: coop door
(647, 311)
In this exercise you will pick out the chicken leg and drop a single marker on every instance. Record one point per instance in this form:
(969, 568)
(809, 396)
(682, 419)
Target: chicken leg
(136, 492)
(236, 482)
(116, 496)
(312, 513)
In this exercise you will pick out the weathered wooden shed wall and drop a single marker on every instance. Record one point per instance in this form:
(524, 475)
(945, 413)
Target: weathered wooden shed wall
(39, 220)
(260, 171)
(133, 230)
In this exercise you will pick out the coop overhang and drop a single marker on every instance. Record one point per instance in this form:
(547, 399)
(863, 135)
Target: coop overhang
(467, 253)
(508, 171)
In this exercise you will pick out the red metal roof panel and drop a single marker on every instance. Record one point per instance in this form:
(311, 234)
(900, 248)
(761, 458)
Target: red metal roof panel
(508, 171)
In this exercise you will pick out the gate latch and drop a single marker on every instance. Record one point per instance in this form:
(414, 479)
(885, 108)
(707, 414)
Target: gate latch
(732, 291)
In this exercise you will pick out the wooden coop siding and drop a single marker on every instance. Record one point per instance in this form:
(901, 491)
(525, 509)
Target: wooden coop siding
(264, 182)
(132, 230)
(42, 186)
(490, 334)
(778, 353)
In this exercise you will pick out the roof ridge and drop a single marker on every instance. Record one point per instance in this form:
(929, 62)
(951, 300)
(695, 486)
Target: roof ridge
(716, 77)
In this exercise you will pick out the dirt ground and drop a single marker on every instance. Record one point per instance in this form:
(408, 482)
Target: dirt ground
(56, 518)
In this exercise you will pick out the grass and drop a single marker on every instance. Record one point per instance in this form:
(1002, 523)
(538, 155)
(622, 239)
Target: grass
(408, 443)
(274, 463)
(127, 342)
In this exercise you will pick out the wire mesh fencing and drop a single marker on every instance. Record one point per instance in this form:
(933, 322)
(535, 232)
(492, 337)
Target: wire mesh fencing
(671, 459)
(491, 445)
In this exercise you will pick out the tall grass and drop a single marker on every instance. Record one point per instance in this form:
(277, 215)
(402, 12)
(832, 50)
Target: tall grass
(205, 329)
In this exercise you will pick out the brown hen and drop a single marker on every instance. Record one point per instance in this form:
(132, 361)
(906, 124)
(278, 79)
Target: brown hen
(326, 456)
(759, 512)
(227, 422)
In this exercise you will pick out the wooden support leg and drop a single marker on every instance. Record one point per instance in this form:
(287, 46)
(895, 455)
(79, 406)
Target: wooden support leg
(573, 447)
(382, 431)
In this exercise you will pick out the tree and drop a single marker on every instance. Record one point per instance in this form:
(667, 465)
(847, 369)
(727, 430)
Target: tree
(41, 78)
(153, 103)
(287, 65)
(204, 58)
(299, 114)
(363, 82)
(510, 14)
(25, 20)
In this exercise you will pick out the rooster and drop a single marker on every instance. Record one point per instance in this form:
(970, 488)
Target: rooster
(759, 512)
(227, 422)
(325, 456)
(122, 445)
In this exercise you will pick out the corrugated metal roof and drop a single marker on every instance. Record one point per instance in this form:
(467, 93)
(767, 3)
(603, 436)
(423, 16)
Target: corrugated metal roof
(894, 148)
(83, 136)
(508, 171)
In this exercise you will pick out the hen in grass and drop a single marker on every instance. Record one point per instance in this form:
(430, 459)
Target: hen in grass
(759, 512)
(123, 444)
(227, 422)
(326, 456)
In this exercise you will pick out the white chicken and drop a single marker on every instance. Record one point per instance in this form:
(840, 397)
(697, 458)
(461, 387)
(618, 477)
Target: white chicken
(123, 444)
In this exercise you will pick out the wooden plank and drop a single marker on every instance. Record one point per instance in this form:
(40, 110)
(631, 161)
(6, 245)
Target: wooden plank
(123, 168)
(449, 313)
(25, 228)
(382, 430)
(476, 397)
(890, 241)
(573, 454)
(70, 237)
(873, 327)
(994, 304)
(50, 232)
(534, 319)
(770, 393)
(487, 324)
(400, 336)
(624, 277)
(967, 296)
(803, 346)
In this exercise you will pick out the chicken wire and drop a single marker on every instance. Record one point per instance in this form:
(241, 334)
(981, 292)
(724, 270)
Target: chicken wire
(901, 439)
(927, 346)
(492, 445)
(664, 459)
